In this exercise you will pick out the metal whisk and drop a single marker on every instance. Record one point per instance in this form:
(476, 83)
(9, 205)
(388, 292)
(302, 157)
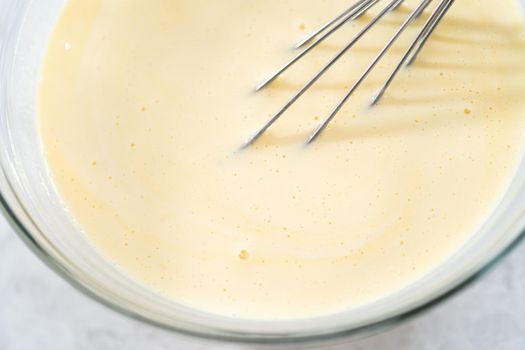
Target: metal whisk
(356, 10)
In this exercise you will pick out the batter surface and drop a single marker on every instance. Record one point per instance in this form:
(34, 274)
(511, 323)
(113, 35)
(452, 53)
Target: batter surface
(143, 105)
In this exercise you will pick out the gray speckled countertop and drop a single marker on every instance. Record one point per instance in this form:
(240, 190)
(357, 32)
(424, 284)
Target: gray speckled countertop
(39, 311)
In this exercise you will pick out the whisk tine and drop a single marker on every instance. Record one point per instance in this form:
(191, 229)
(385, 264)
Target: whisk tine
(305, 88)
(362, 7)
(327, 25)
(414, 49)
(422, 9)
(389, 44)
(430, 30)
(330, 27)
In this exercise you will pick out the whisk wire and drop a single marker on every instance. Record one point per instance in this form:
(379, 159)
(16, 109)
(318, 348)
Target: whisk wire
(312, 81)
(416, 46)
(361, 7)
(330, 23)
(333, 25)
(444, 7)
(356, 85)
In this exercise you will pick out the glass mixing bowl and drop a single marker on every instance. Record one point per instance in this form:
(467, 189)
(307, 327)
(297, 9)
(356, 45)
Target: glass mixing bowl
(34, 208)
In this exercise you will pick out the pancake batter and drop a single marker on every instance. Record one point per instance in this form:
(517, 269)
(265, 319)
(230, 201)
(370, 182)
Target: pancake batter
(143, 106)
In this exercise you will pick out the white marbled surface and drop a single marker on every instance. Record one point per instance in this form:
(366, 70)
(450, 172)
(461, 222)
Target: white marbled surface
(40, 311)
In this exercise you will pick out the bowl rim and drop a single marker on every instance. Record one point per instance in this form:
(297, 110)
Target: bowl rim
(10, 204)
(442, 295)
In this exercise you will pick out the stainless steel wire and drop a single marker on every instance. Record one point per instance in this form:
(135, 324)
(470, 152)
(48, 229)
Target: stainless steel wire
(320, 35)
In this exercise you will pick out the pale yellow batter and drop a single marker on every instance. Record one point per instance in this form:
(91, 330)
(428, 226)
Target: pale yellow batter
(143, 105)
